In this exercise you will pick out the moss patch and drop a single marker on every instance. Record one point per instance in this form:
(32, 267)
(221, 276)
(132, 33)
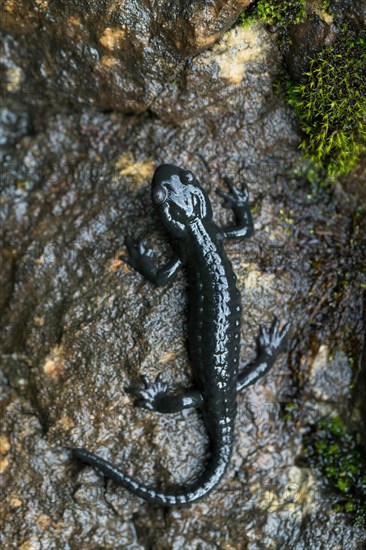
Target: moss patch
(272, 12)
(330, 103)
(329, 98)
(288, 12)
(336, 452)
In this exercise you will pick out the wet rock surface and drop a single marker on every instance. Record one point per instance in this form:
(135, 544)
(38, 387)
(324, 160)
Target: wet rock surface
(79, 327)
(112, 55)
(305, 39)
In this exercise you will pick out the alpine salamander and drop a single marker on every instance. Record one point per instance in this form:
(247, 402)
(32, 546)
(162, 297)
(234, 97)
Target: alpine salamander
(214, 325)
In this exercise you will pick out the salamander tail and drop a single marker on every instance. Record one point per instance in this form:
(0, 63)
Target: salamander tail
(181, 497)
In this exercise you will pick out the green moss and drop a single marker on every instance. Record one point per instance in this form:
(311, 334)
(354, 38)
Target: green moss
(330, 102)
(246, 18)
(281, 13)
(336, 452)
(289, 412)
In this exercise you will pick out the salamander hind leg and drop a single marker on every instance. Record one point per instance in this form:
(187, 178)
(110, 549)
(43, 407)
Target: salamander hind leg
(150, 396)
(154, 397)
(270, 344)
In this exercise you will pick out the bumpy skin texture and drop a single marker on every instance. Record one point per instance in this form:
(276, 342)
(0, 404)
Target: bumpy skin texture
(214, 325)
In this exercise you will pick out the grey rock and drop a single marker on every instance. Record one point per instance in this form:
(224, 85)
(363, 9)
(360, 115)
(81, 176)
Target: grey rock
(78, 326)
(112, 55)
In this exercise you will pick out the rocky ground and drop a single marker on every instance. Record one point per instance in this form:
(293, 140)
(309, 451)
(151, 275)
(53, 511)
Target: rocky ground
(79, 327)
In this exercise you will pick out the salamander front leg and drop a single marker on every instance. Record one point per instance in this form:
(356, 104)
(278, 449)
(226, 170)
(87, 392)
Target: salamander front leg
(238, 201)
(270, 344)
(140, 259)
(154, 397)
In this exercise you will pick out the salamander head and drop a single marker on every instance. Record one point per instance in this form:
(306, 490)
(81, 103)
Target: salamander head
(179, 198)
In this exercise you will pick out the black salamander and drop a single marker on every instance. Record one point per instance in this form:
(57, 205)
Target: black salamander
(214, 325)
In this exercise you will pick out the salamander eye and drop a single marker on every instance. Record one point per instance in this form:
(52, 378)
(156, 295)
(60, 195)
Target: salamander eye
(159, 195)
(188, 176)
